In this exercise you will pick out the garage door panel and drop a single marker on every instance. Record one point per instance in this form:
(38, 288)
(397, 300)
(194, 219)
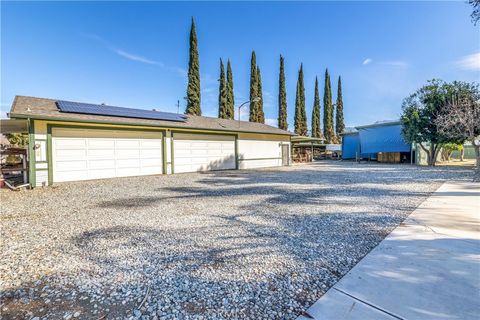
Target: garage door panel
(101, 153)
(101, 164)
(128, 172)
(128, 163)
(65, 154)
(99, 143)
(150, 170)
(152, 162)
(70, 143)
(100, 173)
(73, 165)
(203, 152)
(151, 153)
(81, 154)
(154, 144)
(199, 152)
(72, 175)
(127, 144)
(127, 153)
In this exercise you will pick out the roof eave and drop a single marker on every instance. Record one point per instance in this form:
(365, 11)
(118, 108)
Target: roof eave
(385, 124)
(37, 117)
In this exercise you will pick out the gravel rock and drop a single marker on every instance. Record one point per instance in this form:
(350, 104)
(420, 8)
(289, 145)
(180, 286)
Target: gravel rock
(248, 244)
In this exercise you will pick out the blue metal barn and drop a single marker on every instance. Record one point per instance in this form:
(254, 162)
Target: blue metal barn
(350, 145)
(375, 138)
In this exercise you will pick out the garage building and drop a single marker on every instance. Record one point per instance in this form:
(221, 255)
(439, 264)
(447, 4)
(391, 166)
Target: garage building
(71, 141)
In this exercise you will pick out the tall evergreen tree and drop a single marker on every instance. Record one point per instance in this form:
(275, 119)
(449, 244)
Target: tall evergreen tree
(316, 113)
(300, 113)
(328, 131)
(282, 98)
(230, 95)
(253, 88)
(193, 88)
(260, 113)
(222, 94)
(339, 121)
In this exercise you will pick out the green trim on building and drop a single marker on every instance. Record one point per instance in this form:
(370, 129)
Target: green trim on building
(31, 154)
(172, 161)
(49, 155)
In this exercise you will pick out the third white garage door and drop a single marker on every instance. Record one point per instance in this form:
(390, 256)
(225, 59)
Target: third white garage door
(203, 152)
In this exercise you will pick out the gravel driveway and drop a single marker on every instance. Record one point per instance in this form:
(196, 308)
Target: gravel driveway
(253, 244)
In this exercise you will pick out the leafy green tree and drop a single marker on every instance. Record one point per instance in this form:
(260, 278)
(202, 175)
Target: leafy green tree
(328, 132)
(253, 88)
(419, 117)
(260, 113)
(300, 113)
(316, 133)
(222, 94)
(339, 121)
(282, 98)
(230, 95)
(193, 88)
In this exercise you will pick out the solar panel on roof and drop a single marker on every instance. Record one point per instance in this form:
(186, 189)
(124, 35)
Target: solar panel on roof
(104, 110)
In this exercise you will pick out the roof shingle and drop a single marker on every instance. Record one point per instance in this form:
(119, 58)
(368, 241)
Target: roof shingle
(42, 108)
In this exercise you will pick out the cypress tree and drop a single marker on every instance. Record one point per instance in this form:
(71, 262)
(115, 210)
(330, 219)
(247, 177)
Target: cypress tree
(282, 98)
(193, 88)
(253, 88)
(230, 95)
(316, 113)
(260, 113)
(339, 121)
(328, 110)
(222, 94)
(300, 113)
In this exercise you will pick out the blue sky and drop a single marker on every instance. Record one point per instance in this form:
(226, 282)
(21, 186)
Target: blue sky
(136, 54)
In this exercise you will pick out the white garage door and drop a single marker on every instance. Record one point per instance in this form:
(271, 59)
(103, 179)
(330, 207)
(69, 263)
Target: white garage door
(203, 152)
(83, 154)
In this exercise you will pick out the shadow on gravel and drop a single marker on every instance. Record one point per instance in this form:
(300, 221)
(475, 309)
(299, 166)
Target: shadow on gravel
(281, 248)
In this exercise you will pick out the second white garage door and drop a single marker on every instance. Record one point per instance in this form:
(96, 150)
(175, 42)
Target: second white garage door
(203, 152)
(83, 154)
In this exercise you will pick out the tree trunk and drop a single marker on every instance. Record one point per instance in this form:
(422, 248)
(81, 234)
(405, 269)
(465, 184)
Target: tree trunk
(476, 176)
(462, 154)
(432, 153)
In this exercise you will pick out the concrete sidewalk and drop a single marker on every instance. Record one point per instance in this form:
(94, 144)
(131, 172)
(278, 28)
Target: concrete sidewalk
(427, 268)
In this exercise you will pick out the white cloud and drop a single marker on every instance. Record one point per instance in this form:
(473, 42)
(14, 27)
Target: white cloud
(134, 57)
(366, 61)
(470, 62)
(390, 63)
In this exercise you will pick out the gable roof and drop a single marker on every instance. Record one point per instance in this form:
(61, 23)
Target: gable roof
(382, 123)
(46, 109)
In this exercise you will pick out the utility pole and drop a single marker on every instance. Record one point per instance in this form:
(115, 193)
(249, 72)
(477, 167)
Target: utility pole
(178, 106)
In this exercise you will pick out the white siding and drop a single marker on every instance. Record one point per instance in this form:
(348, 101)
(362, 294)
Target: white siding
(41, 178)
